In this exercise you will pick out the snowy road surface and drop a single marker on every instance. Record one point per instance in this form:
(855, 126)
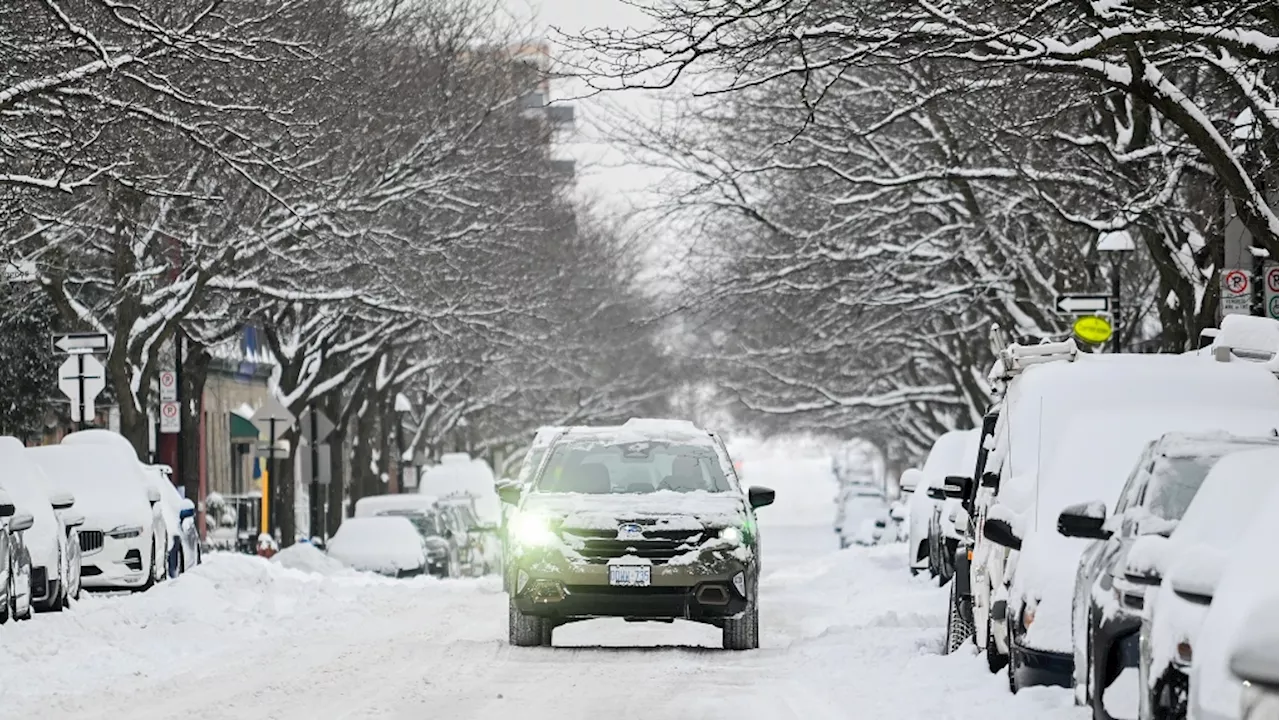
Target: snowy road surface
(846, 634)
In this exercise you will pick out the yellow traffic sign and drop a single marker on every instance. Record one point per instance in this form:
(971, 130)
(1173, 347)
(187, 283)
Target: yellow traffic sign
(1092, 329)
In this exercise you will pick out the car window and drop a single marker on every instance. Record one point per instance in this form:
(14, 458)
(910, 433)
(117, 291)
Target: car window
(634, 467)
(1174, 483)
(1132, 492)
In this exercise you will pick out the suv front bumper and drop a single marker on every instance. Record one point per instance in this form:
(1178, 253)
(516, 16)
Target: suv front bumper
(704, 591)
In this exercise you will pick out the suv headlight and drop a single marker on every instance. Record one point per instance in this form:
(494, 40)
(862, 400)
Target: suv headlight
(731, 535)
(125, 531)
(531, 530)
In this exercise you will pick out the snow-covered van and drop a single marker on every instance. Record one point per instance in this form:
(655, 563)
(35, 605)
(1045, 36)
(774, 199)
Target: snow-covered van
(1071, 427)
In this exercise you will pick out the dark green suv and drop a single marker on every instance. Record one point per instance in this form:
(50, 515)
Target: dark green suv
(639, 521)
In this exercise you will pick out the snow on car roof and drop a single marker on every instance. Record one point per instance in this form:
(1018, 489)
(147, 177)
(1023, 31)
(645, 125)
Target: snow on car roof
(1045, 397)
(1198, 444)
(953, 453)
(1230, 494)
(677, 431)
(377, 504)
(463, 475)
(1249, 332)
(101, 476)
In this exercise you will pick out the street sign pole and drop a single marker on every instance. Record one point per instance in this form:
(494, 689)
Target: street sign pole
(274, 480)
(80, 382)
(1116, 259)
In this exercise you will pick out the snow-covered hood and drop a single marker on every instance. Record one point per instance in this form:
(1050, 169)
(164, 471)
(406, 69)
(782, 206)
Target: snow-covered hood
(671, 510)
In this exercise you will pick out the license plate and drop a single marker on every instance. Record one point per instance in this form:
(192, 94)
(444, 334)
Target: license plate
(630, 575)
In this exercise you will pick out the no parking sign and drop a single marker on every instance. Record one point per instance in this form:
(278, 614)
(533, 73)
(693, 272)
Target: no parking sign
(1236, 292)
(1271, 291)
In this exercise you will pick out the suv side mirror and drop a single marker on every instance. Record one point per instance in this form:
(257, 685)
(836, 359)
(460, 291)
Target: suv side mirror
(1084, 520)
(1001, 532)
(7, 508)
(186, 509)
(21, 521)
(1196, 574)
(509, 492)
(61, 500)
(953, 487)
(153, 495)
(72, 519)
(990, 479)
(759, 497)
(910, 480)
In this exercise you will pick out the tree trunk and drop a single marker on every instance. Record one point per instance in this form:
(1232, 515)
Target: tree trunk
(337, 463)
(195, 371)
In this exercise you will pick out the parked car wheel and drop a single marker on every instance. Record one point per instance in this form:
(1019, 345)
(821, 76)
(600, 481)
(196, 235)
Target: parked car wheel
(1011, 667)
(1169, 697)
(959, 628)
(996, 660)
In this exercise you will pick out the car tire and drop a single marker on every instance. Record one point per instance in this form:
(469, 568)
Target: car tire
(524, 630)
(996, 660)
(151, 572)
(1169, 698)
(958, 627)
(742, 633)
(1012, 667)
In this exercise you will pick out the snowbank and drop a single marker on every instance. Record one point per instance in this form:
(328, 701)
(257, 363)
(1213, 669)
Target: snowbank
(309, 558)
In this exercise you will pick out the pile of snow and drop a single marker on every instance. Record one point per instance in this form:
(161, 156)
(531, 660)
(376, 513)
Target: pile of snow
(385, 544)
(308, 558)
(799, 469)
(460, 474)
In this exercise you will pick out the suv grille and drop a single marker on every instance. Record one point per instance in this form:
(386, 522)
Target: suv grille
(90, 540)
(658, 546)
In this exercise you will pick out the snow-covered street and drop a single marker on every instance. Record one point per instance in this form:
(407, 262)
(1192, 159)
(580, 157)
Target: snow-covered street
(845, 634)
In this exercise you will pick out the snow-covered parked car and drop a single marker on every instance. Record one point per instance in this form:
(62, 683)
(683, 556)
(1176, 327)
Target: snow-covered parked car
(384, 544)
(182, 547)
(123, 539)
(1071, 429)
(15, 561)
(1108, 607)
(1249, 579)
(429, 519)
(179, 515)
(862, 516)
(952, 456)
(1188, 565)
(1242, 338)
(53, 540)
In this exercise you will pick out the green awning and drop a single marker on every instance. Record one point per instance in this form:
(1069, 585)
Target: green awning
(242, 430)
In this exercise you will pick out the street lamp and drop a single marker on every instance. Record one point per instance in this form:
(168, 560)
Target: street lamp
(1116, 243)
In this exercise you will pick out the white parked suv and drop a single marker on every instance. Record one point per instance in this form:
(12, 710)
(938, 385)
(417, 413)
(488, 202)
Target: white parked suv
(1071, 427)
(53, 540)
(123, 538)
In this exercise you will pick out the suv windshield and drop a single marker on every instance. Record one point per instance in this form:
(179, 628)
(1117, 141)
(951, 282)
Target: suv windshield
(1174, 483)
(636, 467)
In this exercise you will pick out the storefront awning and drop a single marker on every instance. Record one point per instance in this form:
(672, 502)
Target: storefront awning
(242, 430)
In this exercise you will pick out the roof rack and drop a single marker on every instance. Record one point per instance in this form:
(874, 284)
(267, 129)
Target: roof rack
(1013, 359)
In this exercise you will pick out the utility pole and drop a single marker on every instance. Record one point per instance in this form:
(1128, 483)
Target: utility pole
(179, 459)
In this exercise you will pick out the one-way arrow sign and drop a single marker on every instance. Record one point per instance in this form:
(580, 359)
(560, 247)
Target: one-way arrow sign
(1083, 304)
(71, 343)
